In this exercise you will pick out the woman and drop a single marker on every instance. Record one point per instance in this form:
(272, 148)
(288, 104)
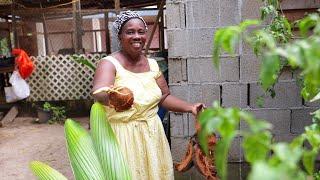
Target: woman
(138, 129)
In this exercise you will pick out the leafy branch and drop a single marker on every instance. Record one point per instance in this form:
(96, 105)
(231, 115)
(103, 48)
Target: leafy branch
(273, 45)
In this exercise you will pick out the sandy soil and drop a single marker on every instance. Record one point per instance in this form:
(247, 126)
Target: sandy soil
(23, 141)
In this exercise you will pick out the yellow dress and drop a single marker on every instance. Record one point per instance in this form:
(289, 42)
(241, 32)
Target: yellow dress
(139, 130)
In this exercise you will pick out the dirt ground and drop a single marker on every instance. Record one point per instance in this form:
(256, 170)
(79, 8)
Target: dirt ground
(23, 141)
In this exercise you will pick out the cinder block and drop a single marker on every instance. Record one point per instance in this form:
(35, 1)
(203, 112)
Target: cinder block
(284, 137)
(202, 13)
(192, 124)
(250, 9)
(202, 70)
(199, 42)
(180, 91)
(229, 69)
(193, 93)
(210, 93)
(178, 69)
(301, 118)
(286, 74)
(10, 116)
(249, 68)
(192, 173)
(229, 12)
(179, 124)
(280, 120)
(236, 153)
(238, 171)
(234, 95)
(313, 104)
(177, 43)
(306, 4)
(178, 148)
(175, 15)
(287, 95)
(234, 171)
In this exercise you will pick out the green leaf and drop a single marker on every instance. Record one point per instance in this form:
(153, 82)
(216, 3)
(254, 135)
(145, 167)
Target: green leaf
(265, 39)
(317, 97)
(227, 39)
(308, 160)
(248, 22)
(307, 23)
(221, 155)
(257, 146)
(84, 61)
(260, 101)
(297, 142)
(83, 158)
(285, 153)
(45, 172)
(270, 70)
(106, 145)
(313, 137)
(217, 47)
(262, 171)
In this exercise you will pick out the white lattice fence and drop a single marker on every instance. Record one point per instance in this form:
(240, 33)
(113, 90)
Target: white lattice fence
(61, 78)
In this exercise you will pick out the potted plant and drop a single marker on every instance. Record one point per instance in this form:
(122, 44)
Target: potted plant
(51, 113)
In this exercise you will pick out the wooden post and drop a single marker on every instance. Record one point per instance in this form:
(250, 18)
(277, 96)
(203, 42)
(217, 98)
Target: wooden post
(117, 5)
(161, 33)
(14, 27)
(77, 35)
(9, 30)
(106, 22)
(46, 39)
(155, 26)
(45, 32)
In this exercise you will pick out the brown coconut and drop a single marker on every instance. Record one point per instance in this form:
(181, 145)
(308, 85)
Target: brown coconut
(186, 162)
(212, 139)
(121, 98)
(204, 164)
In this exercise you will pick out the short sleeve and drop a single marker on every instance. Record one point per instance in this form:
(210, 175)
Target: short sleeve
(155, 68)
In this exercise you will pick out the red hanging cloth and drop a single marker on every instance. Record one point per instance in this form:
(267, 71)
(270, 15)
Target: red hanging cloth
(24, 63)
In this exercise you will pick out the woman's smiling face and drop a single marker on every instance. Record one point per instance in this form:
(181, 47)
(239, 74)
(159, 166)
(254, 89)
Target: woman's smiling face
(133, 36)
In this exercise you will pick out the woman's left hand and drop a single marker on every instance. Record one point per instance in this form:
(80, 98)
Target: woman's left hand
(196, 108)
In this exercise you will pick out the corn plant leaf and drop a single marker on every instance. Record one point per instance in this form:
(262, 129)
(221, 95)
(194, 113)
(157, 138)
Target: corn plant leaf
(83, 158)
(107, 146)
(45, 172)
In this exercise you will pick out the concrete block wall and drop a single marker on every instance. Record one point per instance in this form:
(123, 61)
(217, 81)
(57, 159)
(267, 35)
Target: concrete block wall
(191, 25)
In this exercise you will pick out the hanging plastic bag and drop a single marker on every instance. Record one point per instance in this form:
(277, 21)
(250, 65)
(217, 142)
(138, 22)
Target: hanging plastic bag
(24, 63)
(10, 95)
(19, 86)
